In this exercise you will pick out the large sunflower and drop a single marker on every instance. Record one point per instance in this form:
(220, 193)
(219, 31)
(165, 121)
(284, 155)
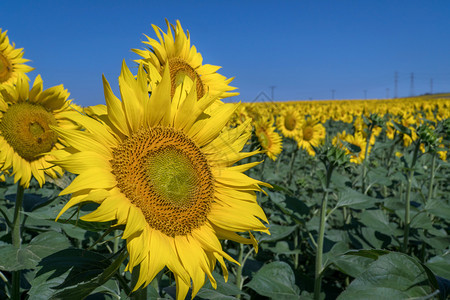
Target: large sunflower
(163, 168)
(12, 65)
(183, 60)
(25, 135)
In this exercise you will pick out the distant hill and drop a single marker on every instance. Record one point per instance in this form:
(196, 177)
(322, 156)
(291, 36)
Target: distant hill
(434, 96)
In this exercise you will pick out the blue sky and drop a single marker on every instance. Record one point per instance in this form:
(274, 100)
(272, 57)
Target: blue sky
(306, 49)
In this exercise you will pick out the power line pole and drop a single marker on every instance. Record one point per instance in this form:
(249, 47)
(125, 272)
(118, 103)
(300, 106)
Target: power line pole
(272, 92)
(412, 84)
(431, 86)
(395, 84)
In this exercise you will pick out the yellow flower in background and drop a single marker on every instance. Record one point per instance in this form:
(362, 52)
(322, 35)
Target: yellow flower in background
(312, 134)
(25, 129)
(12, 65)
(390, 130)
(163, 168)
(239, 117)
(358, 140)
(409, 121)
(183, 60)
(289, 122)
(269, 140)
(442, 154)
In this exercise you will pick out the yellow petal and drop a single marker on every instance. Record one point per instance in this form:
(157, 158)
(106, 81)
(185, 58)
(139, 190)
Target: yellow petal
(115, 111)
(133, 108)
(158, 109)
(79, 162)
(94, 178)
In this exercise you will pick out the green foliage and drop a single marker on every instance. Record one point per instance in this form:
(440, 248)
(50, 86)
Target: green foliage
(363, 253)
(27, 256)
(395, 275)
(275, 280)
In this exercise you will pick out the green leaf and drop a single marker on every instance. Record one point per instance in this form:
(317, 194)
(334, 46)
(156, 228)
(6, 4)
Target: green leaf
(393, 204)
(378, 176)
(224, 291)
(393, 275)
(289, 205)
(283, 247)
(422, 221)
(372, 254)
(440, 265)
(41, 286)
(29, 255)
(399, 127)
(354, 199)
(86, 287)
(277, 232)
(438, 208)
(89, 226)
(352, 265)
(376, 219)
(275, 280)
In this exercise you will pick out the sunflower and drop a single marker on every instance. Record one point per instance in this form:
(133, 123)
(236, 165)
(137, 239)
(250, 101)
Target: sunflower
(25, 135)
(269, 140)
(289, 122)
(357, 140)
(312, 134)
(12, 65)
(183, 60)
(163, 168)
(409, 121)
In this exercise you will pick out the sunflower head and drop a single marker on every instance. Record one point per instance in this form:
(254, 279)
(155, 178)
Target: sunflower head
(289, 122)
(162, 167)
(174, 51)
(312, 134)
(354, 145)
(270, 141)
(12, 65)
(26, 135)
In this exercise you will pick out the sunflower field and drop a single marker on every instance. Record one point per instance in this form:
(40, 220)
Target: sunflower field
(173, 191)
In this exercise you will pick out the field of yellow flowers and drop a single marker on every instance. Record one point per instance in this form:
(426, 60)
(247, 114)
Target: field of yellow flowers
(170, 191)
(359, 205)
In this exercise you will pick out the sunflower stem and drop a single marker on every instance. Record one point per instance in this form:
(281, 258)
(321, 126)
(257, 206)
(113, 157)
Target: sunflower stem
(296, 234)
(320, 238)
(291, 166)
(278, 162)
(408, 199)
(16, 239)
(122, 283)
(116, 241)
(432, 171)
(366, 153)
(239, 269)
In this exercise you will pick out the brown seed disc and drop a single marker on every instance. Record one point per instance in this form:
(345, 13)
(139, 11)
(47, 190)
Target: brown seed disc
(178, 69)
(25, 126)
(290, 122)
(163, 172)
(308, 133)
(264, 139)
(5, 68)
